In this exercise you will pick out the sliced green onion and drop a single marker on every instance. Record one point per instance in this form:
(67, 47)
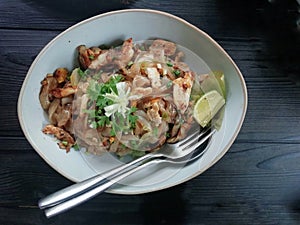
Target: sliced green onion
(169, 84)
(76, 147)
(130, 64)
(169, 64)
(65, 143)
(176, 72)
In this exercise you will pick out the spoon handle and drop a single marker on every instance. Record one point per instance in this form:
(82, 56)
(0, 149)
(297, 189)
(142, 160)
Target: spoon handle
(62, 207)
(80, 187)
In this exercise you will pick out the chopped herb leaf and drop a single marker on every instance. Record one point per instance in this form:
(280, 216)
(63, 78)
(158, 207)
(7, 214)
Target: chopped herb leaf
(169, 84)
(155, 131)
(65, 143)
(142, 48)
(93, 124)
(102, 121)
(112, 132)
(177, 72)
(133, 144)
(169, 64)
(97, 75)
(181, 121)
(137, 153)
(81, 73)
(90, 112)
(96, 92)
(165, 115)
(132, 118)
(76, 147)
(129, 64)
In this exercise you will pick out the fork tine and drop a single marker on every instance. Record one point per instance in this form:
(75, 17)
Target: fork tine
(193, 141)
(202, 141)
(191, 138)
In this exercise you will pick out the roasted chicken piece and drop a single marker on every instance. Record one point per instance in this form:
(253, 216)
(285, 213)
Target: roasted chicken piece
(66, 140)
(87, 55)
(168, 47)
(61, 74)
(123, 56)
(95, 58)
(182, 88)
(48, 84)
(63, 92)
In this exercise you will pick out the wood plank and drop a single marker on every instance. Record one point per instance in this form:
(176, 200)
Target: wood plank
(42, 14)
(259, 188)
(270, 167)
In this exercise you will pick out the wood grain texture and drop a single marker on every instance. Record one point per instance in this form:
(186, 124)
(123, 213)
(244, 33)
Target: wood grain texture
(256, 182)
(265, 185)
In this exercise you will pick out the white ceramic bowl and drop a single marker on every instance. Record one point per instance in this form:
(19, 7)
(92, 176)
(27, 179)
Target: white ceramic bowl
(140, 24)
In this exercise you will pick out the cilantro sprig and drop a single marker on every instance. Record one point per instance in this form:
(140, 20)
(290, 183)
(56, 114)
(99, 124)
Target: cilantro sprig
(96, 92)
(131, 117)
(97, 117)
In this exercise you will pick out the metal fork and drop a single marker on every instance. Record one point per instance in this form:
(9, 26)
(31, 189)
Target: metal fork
(77, 193)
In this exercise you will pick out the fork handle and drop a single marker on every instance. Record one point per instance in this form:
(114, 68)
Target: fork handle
(64, 206)
(82, 186)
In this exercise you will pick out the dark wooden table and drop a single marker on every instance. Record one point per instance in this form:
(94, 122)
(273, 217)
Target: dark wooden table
(256, 182)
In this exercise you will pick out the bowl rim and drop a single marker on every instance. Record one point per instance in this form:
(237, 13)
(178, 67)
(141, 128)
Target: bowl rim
(162, 13)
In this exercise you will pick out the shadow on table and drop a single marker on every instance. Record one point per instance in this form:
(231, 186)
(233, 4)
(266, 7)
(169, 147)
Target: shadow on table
(295, 208)
(164, 207)
(277, 22)
(283, 33)
(79, 9)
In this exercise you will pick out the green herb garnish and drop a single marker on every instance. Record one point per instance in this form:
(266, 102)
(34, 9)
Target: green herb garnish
(176, 72)
(169, 84)
(65, 143)
(137, 153)
(96, 92)
(131, 117)
(81, 73)
(76, 147)
(129, 64)
(169, 64)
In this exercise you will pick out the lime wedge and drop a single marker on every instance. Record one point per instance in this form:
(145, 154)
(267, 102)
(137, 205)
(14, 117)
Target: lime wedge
(221, 79)
(207, 107)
